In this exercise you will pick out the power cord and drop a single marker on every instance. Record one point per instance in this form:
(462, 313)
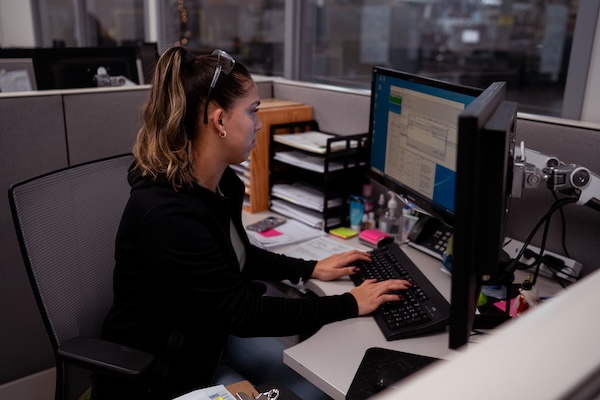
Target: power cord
(507, 273)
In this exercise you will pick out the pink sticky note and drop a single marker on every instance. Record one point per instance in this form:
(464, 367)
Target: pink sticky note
(502, 304)
(271, 233)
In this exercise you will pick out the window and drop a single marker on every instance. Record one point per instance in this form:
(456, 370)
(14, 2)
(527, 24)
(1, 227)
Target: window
(473, 42)
(90, 23)
(525, 43)
(251, 31)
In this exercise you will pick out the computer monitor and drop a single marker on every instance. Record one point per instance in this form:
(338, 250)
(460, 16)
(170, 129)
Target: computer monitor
(19, 59)
(449, 150)
(485, 157)
(413, 128)
(25, 81)
(75, 67)
(147, 53)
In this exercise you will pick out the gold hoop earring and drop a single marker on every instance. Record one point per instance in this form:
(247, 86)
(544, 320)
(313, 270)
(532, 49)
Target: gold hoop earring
(223, 134)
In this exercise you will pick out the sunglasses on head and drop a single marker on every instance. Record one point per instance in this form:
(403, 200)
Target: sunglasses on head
(225, 64)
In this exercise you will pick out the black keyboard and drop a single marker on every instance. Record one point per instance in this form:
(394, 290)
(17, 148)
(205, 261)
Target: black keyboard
(423, 309)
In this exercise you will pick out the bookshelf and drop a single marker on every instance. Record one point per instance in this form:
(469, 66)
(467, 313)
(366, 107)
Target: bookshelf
(255, 173)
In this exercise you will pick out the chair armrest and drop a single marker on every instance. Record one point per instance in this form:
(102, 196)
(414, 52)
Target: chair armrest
(106, 358)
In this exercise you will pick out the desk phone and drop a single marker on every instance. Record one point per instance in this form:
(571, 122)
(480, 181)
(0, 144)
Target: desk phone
(430, 236)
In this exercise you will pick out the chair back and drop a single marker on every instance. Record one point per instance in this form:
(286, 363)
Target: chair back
(66, 222)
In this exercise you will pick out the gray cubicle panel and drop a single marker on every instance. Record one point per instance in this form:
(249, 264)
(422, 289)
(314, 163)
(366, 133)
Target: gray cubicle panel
(32, 142)
(264, 85)
(337, 110)
(102, 122)
(572, 142)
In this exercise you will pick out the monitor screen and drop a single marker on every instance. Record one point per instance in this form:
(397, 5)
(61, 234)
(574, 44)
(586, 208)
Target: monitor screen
(75, 67)
(148, 55)
(17, 74)
(18, 61)
(413, 127)
(486, 143)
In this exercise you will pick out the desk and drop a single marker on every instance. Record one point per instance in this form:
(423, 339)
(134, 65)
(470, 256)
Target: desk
(330, 358)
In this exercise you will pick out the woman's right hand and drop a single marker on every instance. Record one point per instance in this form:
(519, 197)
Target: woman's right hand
(372, 294)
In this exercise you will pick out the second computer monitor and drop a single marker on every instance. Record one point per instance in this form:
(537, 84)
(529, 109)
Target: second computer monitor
(75, 67)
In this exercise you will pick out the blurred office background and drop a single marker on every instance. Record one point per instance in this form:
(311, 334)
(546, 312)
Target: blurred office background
(531, 44)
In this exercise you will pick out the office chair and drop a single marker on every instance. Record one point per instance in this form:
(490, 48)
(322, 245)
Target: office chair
(66, 222)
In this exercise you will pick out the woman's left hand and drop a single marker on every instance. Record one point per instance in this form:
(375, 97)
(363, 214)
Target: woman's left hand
(338, 265)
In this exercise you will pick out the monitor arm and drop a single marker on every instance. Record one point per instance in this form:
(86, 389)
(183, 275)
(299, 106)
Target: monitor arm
(531, 169)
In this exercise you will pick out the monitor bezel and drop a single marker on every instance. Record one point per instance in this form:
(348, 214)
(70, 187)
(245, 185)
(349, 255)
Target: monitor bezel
(46, 60)
(421, 202)
(487, 134)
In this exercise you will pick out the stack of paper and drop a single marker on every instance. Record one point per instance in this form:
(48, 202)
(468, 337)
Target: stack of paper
(312, 141)
(302, 214)
(288, 233)
(303, 194)
(306, 161)
(242, 170)
(318, 248)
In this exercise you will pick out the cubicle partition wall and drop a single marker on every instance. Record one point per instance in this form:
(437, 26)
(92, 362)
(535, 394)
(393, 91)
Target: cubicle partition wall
(40, 132)
(572, 142)
(337, 110)
(102, 122)
(32, 142)
(43, 131)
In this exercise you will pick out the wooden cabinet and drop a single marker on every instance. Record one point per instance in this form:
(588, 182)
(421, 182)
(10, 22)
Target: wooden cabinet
(255, 173)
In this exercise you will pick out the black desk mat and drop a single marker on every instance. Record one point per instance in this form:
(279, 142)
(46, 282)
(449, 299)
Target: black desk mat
(377, 359)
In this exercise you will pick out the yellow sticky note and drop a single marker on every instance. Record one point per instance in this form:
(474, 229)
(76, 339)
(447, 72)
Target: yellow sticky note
(343, 232)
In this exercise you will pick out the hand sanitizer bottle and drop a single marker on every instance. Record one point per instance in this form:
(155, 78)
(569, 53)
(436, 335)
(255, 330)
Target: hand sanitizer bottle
(391, 220)
(380, 211)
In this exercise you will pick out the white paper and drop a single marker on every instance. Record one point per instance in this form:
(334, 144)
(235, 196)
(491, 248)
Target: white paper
(291, 232)
(14, 81)
(302, 194)
(313, 141)
(218, 392)
(306, 161)
(317, 248)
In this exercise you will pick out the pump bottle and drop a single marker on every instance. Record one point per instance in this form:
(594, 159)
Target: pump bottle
(391, 221)
(380, 211)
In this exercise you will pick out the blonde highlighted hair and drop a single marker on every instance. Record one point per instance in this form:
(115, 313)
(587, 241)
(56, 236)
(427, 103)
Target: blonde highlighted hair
(171, 116)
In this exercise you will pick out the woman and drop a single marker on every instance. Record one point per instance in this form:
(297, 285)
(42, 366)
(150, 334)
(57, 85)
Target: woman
(184, 265)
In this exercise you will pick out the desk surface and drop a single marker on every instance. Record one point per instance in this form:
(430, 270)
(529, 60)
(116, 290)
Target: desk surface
(330, 358)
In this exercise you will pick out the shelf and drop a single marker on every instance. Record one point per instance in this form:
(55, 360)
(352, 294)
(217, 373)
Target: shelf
(271, 112)
(312, 174)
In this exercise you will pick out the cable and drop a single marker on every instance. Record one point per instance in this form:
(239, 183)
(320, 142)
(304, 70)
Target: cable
(564, 227)
(513, 265)
(542, 248)
(557, 205)
(537, 262)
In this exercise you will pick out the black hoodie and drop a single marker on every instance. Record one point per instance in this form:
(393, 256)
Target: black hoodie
(177, 272)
